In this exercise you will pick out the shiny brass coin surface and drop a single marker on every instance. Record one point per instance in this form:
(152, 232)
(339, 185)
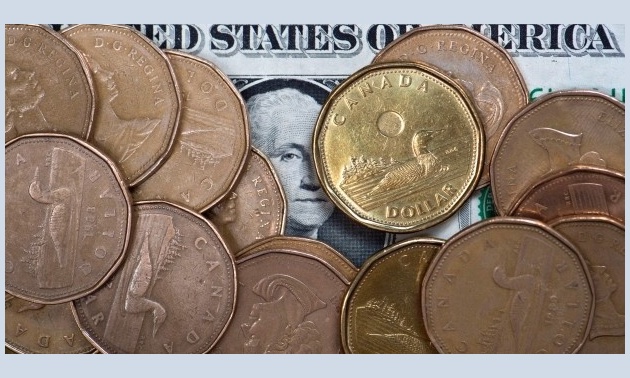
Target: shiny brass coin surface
(36, 328)
(211, 143)
(601, 241)
(579, 190)
(507, 285)
(175, 293)
(381, 312)
(398, 146)
(138, 100)
(67, 218)
(48, 87)
(289, 300)
(483, 67)
(254, 209)
(557, 131)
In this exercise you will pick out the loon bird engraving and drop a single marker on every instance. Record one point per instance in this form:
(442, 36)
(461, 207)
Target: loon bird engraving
(60, 200)
(423, 164)
(135, 302)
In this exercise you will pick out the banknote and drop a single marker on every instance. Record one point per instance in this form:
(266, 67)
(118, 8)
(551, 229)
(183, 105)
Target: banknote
(285, 72)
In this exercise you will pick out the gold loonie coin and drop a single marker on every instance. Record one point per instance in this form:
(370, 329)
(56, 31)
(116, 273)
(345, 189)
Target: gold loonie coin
(507, 285)
(211, 143)
(67, 218)
(138, 100)
(557, 131)
(36, 328)
(398, 146)
(48, 87)
(601, 241)
(175, 293)
(381, 312)
(483, 67)
(255, 209)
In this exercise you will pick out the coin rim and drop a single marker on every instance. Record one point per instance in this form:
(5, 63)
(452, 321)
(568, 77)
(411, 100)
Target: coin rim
(546, 179)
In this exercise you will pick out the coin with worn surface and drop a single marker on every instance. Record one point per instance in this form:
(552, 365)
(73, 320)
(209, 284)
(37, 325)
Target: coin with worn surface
(67, 218)
(211, 143)
(48, 87)
(381, 312)
(483, 67)
(255, 208)
(289, 299)
(36, 328)
(557, 131)
(398, 146)
(175, 293)
(574, 191)
(315, 248)
(507, 285)
(138, 100)
(601, 240)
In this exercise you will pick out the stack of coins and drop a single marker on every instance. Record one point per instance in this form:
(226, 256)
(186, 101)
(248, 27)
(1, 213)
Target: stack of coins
(140, 220)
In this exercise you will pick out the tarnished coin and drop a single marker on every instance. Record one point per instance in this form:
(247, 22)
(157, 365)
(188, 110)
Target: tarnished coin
(315, 248)
(381, 312)
(175, 293)
(507, 285)
(138, 101)
(67, 218)
(211, 143)
(557, 131)
(579, 190)
(289, 299)
(601, 241)
(255, 209)
(398, 146)
(483, 67)
(36, 328)
(48, 87)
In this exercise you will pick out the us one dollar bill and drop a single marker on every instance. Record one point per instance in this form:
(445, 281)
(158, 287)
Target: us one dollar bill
(285, 72)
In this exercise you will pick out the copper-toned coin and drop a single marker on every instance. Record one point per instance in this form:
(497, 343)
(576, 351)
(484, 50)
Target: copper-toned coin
(36, 328)
(138, 101)
(67, 218)
(398, 146)
(381, 312)
(558, 130)
(211, 143)
(575, 191)
(601, 241)
(475, 61)
(316, 248)
(255, 209)
(48, 87)
(507, 285)
(175, 293)
(289, 299)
